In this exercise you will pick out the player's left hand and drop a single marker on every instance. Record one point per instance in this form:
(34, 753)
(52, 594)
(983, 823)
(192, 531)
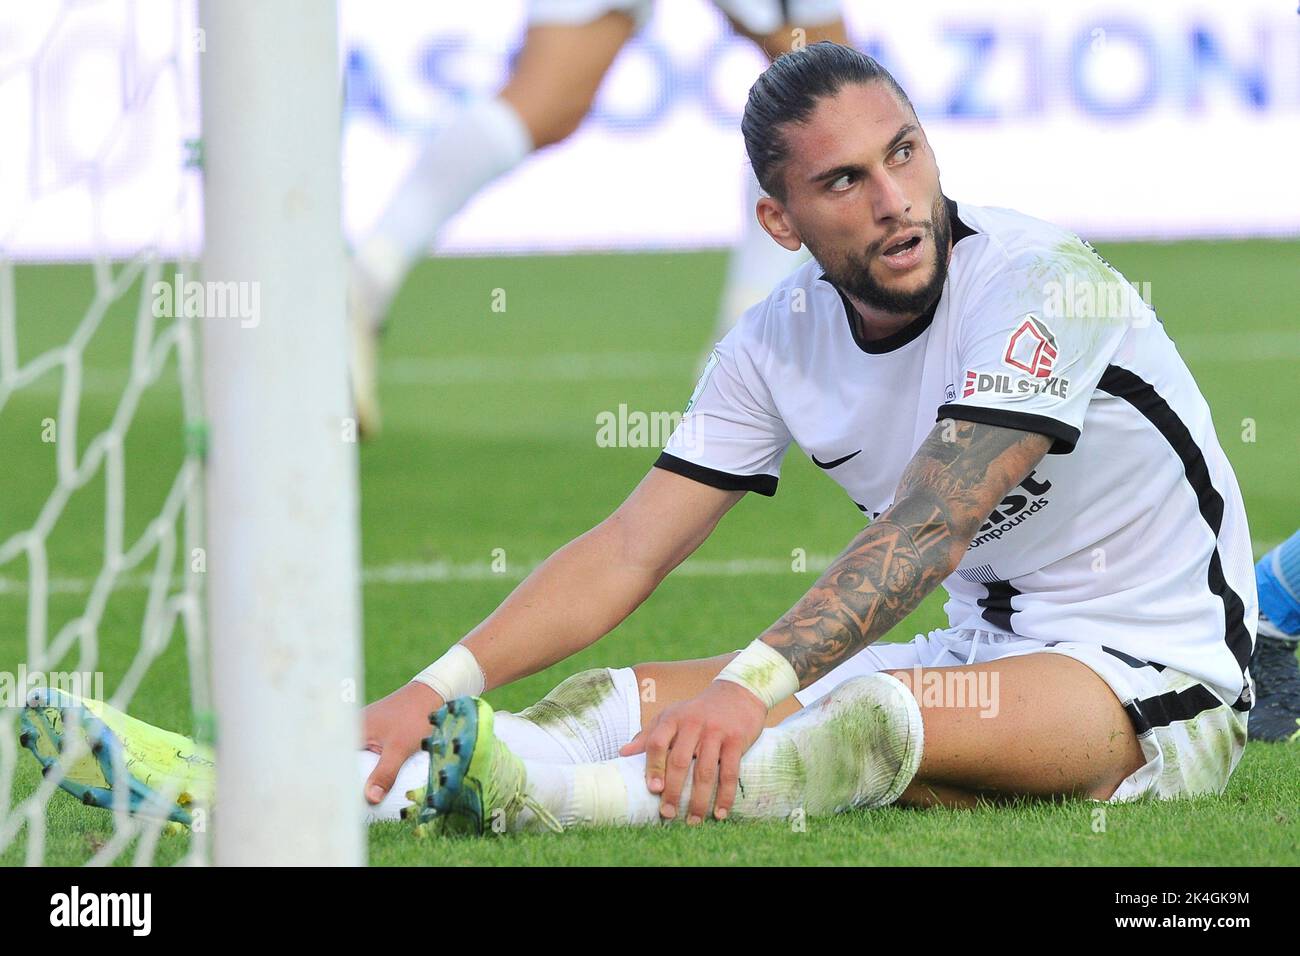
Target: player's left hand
(715, 729)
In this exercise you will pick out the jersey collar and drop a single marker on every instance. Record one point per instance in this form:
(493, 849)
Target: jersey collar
(917, 326)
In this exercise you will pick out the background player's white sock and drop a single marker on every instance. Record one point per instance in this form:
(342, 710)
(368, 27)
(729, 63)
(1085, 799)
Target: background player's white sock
(756, 264)
(482, 142)
(859, 746)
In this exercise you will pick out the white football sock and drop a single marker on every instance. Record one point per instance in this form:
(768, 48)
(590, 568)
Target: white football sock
(413, 775)
(859, 746)
(756, 264)
(587, 718)
(484, 141)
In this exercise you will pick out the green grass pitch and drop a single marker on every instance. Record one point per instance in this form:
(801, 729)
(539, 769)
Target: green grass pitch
(490, 443)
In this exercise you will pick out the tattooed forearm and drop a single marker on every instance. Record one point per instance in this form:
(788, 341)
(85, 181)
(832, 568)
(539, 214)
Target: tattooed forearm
(958, 475)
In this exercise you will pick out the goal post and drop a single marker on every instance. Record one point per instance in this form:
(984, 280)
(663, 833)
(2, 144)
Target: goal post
(281, 481)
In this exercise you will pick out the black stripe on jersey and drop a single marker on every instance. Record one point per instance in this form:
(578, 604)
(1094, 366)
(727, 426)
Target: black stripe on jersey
(1130, 660)
(761, 484)
(1147, 713)
(997, 606)
(980, 574)
(1124, 384)
(1066, 436)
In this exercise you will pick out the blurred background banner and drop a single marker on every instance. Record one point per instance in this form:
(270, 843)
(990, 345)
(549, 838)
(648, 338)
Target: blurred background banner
(1163, 119)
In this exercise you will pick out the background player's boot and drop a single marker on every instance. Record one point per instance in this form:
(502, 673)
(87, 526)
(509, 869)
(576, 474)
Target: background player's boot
(1276, 714)
(476, 784)
(157, 771)
(363, 360)
(375, 272)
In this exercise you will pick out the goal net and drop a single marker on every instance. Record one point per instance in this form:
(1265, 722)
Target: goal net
(160, 549)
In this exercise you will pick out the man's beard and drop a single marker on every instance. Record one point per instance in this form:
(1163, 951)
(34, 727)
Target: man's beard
(853, 274)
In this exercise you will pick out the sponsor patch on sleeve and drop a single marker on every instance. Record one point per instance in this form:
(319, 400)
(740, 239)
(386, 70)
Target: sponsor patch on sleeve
(1031, 348)
(1000, 383)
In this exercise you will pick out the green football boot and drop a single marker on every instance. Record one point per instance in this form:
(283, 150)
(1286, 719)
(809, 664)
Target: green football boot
(118, 754)
(476, 784)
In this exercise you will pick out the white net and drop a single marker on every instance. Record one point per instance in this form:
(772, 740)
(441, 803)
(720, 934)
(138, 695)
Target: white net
(101, 545)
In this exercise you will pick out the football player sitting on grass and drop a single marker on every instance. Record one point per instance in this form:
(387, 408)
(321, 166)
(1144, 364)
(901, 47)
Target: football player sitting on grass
(1054, 468)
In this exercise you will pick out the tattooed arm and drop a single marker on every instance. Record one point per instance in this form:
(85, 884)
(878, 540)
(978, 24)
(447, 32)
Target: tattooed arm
(955, 479)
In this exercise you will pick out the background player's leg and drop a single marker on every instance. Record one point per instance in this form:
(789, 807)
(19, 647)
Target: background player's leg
(554, 81)
(558, 72)
(550, 91)
(1045, 725)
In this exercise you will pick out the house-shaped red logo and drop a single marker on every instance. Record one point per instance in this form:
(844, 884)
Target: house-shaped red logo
(1031, 348)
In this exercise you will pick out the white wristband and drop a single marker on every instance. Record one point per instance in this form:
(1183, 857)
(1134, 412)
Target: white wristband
(761, 669)
(455, 674)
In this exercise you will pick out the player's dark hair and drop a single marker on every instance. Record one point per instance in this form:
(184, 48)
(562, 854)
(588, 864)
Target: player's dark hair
(788, 91)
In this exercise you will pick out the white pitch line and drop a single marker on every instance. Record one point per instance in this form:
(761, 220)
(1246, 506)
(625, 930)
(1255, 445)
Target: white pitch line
(546, 367)
(418, 370)
(440, 572)
(1203, 348)
(444, 572)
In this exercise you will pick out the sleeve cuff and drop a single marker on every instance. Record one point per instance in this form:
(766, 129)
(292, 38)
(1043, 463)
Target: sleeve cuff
(762, 484)
(1066, 436)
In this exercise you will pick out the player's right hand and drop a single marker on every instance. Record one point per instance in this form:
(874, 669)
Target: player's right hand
(393, 728)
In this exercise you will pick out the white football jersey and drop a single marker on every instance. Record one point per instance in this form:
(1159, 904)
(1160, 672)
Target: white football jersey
(1130, 534)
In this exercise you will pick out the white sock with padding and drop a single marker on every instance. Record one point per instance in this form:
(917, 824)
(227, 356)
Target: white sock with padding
(412, 775)
(857, 747)
(587, 717)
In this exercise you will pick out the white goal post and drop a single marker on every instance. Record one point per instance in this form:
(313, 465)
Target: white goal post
(282, 527)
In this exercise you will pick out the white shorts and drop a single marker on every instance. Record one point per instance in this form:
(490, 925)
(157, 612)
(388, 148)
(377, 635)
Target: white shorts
(1192, 738)
(756, 16)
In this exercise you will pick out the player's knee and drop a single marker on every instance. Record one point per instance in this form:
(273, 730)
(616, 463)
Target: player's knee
(882, 686)
(575, 694)
(1125, 764)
